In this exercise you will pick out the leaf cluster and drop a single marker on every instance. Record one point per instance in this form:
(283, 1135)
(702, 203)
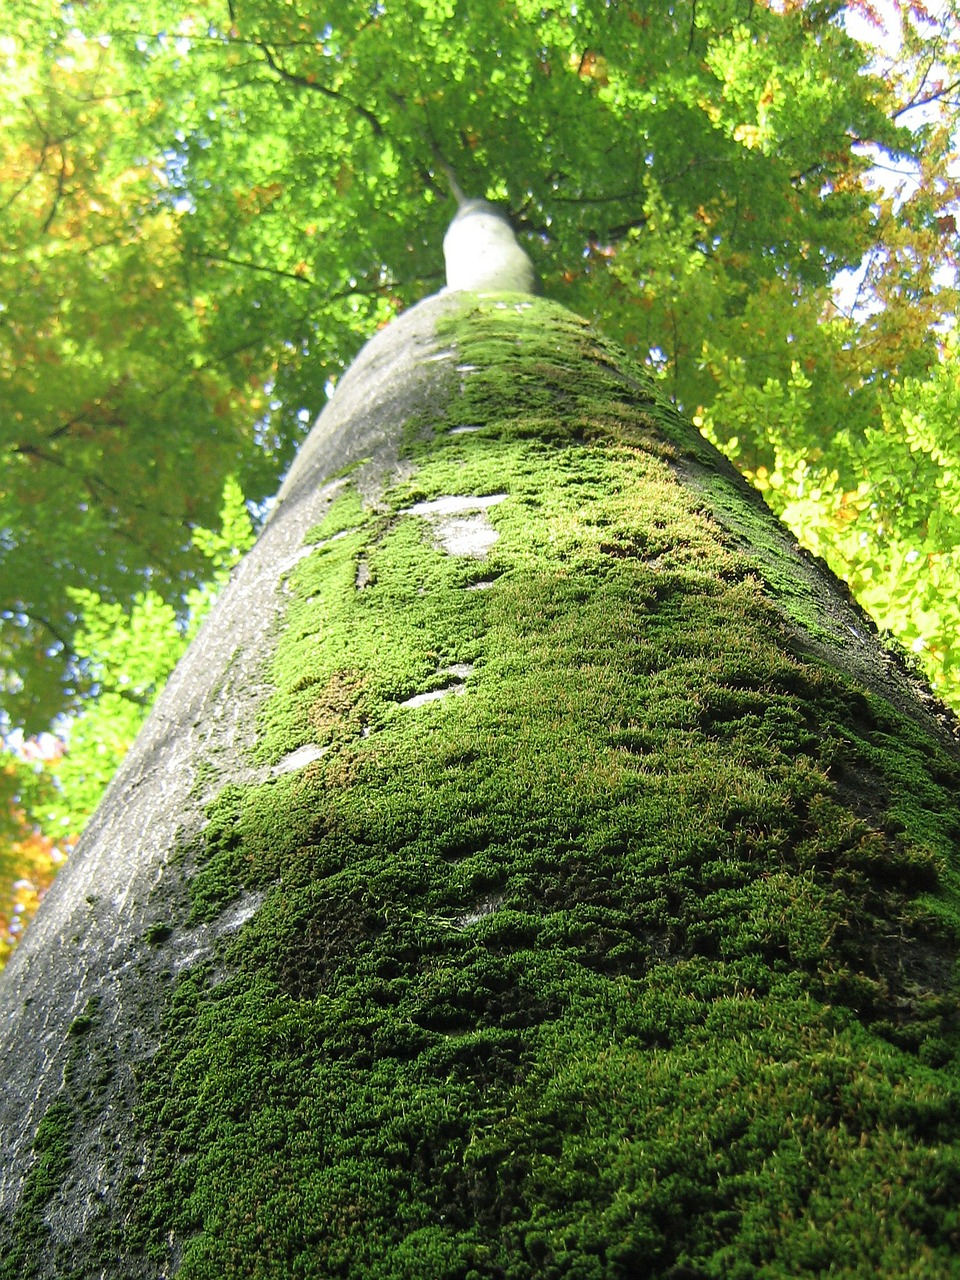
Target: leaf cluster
(211, 207)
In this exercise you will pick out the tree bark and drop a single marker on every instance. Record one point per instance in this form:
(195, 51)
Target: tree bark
(536, 867)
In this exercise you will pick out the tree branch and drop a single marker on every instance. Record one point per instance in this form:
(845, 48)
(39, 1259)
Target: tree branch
(916, 102)
(37, 171)
(138, 699)
(327, 92)
(95, 488)
(253, 266)
(60, 638)
(57, 195)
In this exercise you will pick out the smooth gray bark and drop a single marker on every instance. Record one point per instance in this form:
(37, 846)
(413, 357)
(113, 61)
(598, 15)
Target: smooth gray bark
(87, 941)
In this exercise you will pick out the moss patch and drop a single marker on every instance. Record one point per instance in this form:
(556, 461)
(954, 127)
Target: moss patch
(34, 1244)
(636, 954)
(50, 1169)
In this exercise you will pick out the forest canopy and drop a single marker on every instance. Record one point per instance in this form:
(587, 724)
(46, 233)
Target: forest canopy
(209, 207)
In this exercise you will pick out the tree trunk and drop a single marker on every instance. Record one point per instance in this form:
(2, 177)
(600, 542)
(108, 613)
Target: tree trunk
(536, 868)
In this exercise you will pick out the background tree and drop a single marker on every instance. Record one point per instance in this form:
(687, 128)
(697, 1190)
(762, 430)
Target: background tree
(212, 202)
(119, 432)
(210, 207)
(29, 860)
(535, 868)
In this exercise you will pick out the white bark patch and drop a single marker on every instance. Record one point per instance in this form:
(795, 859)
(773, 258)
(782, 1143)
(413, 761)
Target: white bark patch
(467, 536)
(299, 759)
(484, 908)
(203, 935)
(244, 910)
(460, 670)
(435, 695)
(453, 505)
(460, 524)
(363, 575)
(463, 431)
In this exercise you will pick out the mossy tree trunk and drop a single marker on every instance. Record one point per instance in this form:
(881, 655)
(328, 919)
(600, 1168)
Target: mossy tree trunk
(536, 868)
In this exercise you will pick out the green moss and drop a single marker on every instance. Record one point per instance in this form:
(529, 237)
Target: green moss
(639, 951)
(52, 1148)
(158, 933)
(346, 512)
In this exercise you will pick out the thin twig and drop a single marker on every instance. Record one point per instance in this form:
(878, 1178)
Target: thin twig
(304, 83)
